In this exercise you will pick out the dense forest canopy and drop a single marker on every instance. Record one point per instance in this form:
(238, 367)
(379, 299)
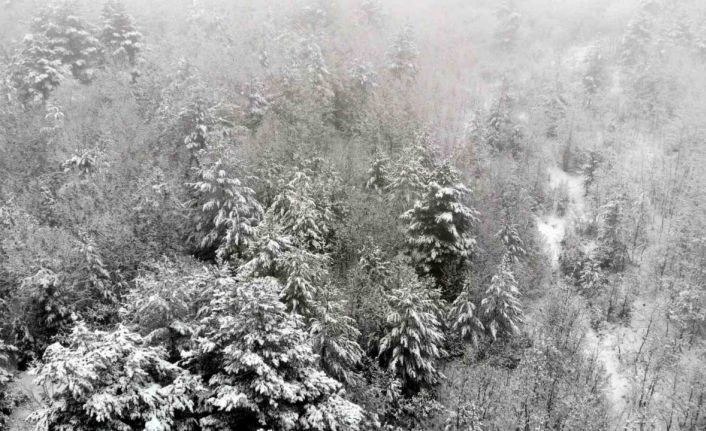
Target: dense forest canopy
(352, 215)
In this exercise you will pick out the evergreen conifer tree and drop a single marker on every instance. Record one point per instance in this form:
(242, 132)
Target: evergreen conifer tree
(463, 318)
(119, 34)
(224, 213)
(408, 179)
(439, 230)
(68, 39)
(302, 273)
(335, 340)
(634, 48)
(413, 340)
(296, 211)
(514, 246)
(501, 132)
(378, 174)
(113, 380)
(509, 22)
(403, 56)
(612, 251)
(35, 71)
(501, 307)
(260, 367)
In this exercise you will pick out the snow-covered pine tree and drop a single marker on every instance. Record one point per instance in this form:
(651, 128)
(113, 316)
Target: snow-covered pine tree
(594, 77)
(439, 229)
(311, 63)
(514, 246)
(372, 262)
(687, 309)
(113, 380)
(260, 367)
(266, 250)
(119, 34)
(194, 125)
(403, 56)
(335, 340)
(93, 271)
(362, 79)
(370, 284)
(594, 161)
(501, 307)
(257, 104)
(35, 71)
(634, 48)
(92, 282)
(314, 16)
(68, 38)
(84, 163)
(165, 301)
(379, 173)
(372, 12)
(612, 251)
(509, 22)
(501, 132)
(295, 210)
(591, 278)
(555, 107)
(224, 213)
(463, 318)
(413, 339)
(302, 273)
(47, 311)
(408, 178)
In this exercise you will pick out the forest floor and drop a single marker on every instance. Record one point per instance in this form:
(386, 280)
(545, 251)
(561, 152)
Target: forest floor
(607, 343)
(24, 384)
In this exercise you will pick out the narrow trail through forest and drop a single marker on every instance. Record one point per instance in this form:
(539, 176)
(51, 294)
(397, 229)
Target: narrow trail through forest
(25, 385)
(605, 345)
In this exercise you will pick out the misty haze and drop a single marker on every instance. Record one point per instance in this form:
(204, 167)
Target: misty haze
(353, 215)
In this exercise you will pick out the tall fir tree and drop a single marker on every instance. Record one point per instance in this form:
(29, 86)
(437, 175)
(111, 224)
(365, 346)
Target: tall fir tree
(408, 177)
(509, 22)
(113, 380)
(512, 242)
(463, 318)
(634, 49)
(119, 34)
(68, 38)
(501, 307)
(379, 174)
(371, 283)
(501, 132)
(413, 339)
(335, 340)
(224, 213)
(260, 367)
(439, 230)
(35, 71)
(403, 56)
(612, 251)
(302, 273)
(266, 251)
(296, 211)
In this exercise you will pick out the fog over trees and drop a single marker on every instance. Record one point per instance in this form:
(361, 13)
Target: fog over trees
(333, 215)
